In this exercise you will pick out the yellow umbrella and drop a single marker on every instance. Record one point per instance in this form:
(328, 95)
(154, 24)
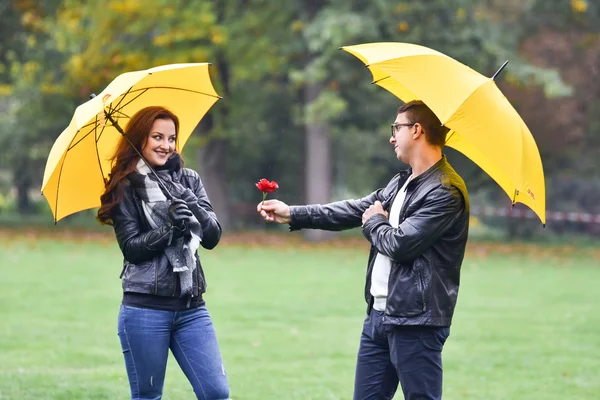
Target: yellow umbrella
(484, 125)
(79, 161)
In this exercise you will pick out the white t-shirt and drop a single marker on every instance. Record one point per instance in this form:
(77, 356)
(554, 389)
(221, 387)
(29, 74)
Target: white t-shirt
(383, 264)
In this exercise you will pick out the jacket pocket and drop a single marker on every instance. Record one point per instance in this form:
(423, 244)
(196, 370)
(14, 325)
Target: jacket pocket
(139, 277)
(406, 291)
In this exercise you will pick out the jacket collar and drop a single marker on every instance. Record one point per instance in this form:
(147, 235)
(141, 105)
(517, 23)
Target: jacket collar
(424, 176)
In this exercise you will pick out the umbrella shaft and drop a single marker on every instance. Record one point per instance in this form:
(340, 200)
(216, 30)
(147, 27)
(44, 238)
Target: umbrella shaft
(118, 128)
(499, 70)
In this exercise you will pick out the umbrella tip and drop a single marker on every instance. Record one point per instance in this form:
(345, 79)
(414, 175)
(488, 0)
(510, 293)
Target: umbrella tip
(340, 48)
(92, 95)
(499, 70)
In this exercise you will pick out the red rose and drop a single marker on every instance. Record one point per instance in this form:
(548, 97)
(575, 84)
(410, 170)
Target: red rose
(266, 186)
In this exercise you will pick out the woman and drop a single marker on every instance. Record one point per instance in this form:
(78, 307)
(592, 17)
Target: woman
(162, 277)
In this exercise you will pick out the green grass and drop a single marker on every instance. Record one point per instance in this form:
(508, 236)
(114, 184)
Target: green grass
(289, 320)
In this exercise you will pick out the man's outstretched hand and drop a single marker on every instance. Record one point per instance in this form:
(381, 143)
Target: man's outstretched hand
(274, 211)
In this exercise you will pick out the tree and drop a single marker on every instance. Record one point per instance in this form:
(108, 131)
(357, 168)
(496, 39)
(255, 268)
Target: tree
(24, 136)
(565, 35)
(285, 85)
(236, 36)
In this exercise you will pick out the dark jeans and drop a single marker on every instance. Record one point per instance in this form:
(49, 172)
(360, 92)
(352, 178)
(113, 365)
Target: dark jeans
(146, 337)
(388, 354)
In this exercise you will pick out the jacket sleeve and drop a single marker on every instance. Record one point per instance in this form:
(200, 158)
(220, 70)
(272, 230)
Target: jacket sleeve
(137, 246)
(420, 230)
(335, 216)
(200, 206)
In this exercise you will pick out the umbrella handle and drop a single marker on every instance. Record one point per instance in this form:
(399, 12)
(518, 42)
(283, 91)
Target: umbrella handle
(118, 128)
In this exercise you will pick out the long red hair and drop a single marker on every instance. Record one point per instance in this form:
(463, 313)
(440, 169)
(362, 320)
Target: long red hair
(126, 158)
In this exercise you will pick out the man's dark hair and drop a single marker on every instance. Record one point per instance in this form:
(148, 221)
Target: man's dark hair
(417, 111)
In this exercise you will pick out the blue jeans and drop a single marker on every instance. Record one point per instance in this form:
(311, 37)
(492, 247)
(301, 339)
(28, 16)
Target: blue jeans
(391, 354)
(146, 337)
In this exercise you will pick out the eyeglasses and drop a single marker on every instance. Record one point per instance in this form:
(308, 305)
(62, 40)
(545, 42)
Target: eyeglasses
(396, 128)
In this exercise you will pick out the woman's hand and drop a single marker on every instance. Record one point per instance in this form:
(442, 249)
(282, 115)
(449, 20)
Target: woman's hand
(179, 212)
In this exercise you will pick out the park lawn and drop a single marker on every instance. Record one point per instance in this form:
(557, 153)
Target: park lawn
(527, 324)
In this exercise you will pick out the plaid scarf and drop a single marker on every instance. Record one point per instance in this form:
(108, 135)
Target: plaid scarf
(181, 252)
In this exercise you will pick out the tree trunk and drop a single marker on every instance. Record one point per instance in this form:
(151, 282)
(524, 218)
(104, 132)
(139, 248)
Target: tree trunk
(213, 156)
(23, 201)
(23, 182)
(212, 171)
(318, 143)
(318, 163)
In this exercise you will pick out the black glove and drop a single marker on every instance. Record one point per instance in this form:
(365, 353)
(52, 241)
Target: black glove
(179, 213)
(189, 196)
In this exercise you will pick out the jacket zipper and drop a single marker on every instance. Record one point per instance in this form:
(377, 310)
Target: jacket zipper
(422, 290)
(123, 270)
(155, 277)
(200, 280)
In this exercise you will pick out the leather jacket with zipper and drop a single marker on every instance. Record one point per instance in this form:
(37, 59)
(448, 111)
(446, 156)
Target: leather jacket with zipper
(145, 265)
(426, 249)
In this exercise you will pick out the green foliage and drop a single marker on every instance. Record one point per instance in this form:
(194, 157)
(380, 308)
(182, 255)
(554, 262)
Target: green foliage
(264, 54)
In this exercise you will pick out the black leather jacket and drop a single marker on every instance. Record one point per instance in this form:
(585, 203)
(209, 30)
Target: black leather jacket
(426, 249)
(145, 266)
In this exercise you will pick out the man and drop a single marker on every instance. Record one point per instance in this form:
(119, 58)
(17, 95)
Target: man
(417, 227)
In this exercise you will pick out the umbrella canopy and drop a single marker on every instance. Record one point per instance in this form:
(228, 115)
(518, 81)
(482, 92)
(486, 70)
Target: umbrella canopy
(484, 126)
(79, 161)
